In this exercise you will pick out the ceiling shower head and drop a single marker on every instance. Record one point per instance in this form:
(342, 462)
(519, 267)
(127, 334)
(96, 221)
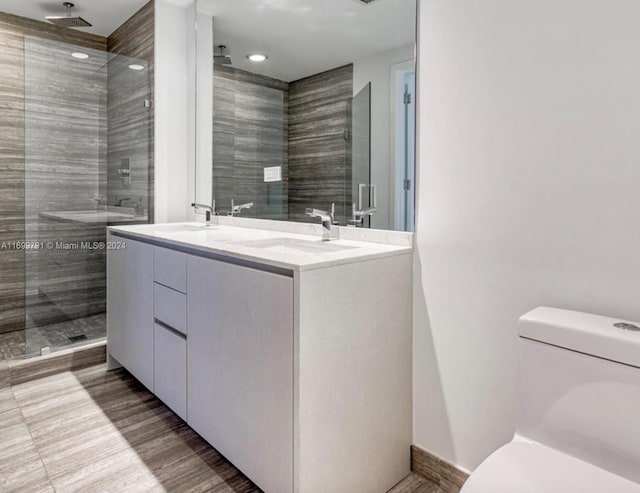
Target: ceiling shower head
(222, 59)
(67, 20)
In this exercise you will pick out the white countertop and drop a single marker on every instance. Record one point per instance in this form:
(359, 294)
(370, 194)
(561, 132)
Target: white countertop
(283, 249)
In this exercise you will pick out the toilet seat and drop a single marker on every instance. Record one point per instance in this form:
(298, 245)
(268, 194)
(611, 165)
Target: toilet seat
(527, 467)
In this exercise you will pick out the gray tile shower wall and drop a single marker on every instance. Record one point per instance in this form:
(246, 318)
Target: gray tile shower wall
(250, 132)
(130, 119)
(318, 150)
(13, 30)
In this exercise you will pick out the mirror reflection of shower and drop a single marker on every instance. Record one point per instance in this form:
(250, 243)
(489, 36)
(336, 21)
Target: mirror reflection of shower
(291, 118)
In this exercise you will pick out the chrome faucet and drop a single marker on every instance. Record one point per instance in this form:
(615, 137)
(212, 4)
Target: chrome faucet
(328, 232)
(209, 211)
(359, 214)
(235, 209)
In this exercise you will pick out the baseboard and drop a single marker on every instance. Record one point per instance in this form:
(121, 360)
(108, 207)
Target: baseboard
(446, 476)
(15, 372)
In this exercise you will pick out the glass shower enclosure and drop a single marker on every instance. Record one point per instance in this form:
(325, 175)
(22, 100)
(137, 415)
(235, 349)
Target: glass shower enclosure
(87, 166)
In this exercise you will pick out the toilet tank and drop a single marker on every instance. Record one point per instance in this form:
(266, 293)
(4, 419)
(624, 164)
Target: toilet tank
(579, 387)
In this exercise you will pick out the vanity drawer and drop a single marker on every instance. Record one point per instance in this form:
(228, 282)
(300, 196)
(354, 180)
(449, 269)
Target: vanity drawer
(170, 268)
(170, 307)
(170, 369)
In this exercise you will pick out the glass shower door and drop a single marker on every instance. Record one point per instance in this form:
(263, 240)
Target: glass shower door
(361, 187)
(77, 134)
(65, 176)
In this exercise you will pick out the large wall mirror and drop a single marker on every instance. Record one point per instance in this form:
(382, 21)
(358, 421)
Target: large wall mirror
(307, 103)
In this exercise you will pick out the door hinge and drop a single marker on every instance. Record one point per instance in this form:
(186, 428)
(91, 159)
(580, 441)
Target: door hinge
(406, 185)
(407, 98)
(347, 134)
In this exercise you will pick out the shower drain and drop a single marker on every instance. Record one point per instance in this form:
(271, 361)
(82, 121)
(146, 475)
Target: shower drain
(78, 338)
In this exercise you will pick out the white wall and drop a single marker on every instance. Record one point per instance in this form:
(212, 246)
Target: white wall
(174, 109)
(377, 70)
(529, 194)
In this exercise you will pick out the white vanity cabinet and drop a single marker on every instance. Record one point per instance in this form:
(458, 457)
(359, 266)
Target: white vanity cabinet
(240, 367)
(301, 377)
(130, 306)
(146, 320)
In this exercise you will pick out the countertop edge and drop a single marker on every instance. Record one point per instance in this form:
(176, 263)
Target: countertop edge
(256, 259)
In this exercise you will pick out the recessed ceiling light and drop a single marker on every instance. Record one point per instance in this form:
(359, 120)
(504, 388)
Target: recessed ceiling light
(257, 57)
(80, 55)
(136, 66)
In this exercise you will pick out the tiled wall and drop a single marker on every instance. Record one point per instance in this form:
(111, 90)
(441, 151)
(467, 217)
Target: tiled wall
(130, 109)
(249, 134)
(13, 30)
(260, 122)
(319, 169)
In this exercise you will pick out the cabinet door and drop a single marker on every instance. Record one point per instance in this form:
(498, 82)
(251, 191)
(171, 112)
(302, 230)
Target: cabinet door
(240, 367)
(130, 307)
(170, 369)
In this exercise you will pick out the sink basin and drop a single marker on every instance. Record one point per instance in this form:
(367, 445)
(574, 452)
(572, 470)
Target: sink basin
(295, 246)
(183, 228)
(201, 234)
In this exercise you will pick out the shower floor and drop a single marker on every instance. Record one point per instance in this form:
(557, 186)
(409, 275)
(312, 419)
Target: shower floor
(56, 336)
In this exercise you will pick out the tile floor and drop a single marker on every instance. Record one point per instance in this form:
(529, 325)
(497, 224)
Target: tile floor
(93, 431)
(56, 336)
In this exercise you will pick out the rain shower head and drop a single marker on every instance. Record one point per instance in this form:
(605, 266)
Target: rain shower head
(222, 59)
(67, 20)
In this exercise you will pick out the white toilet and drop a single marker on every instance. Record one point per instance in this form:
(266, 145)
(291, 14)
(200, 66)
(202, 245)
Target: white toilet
(578, 427)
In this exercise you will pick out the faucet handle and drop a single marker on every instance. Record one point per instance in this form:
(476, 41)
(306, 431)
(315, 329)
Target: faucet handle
(333, 215)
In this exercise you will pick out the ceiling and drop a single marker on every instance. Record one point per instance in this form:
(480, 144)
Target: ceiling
(105, 15)
(305, 37)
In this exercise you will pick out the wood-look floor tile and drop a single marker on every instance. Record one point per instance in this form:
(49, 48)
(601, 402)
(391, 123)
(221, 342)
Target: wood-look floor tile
(97, 431)
(205, 470)
(14, 433)
(120, 472)
(4, 375)
(21, 470)
(178, 457)
(415, 484)
(7, 401)
(75, 411)
(66, 455)
(70, 431)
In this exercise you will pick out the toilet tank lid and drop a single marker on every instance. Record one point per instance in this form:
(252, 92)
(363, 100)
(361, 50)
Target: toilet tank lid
(594, 335)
